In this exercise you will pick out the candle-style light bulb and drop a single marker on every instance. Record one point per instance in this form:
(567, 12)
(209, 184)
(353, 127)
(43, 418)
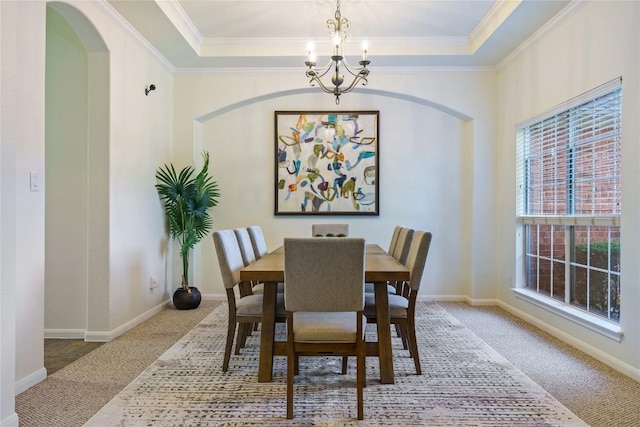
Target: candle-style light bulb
(312, 55)
(336, 43)
(365, 46)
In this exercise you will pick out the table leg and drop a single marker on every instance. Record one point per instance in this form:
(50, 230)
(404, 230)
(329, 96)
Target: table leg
(384, 333)
(267, 332)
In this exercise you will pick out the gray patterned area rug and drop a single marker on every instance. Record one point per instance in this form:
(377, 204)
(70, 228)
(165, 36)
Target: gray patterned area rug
(464, 383)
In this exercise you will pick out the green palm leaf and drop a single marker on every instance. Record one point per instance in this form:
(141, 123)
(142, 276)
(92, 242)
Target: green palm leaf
(187, 200)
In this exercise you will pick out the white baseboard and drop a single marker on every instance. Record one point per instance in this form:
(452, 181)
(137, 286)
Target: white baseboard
(214, 297)
(447, 298)
(31, 380)
(106, 336)
(607, 359)
(64, 334)
(10, 421)
(482, 302)
(457, 298)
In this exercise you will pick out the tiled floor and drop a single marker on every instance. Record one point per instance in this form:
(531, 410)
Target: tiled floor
(59, 353)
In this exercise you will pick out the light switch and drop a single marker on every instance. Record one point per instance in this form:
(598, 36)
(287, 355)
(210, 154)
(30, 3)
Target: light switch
(34, 181)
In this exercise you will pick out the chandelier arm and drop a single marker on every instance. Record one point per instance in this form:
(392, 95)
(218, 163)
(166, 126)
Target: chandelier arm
(354, 71)
(324, 70)
(360, 78)
(316, 79)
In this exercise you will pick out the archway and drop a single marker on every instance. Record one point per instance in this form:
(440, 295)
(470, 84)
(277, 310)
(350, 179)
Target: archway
(77, 184)
(440, 158)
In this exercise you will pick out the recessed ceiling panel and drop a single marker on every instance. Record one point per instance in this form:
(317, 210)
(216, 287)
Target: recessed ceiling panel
(273, 33)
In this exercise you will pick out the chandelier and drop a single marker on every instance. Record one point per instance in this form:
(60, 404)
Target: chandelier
(338, 27)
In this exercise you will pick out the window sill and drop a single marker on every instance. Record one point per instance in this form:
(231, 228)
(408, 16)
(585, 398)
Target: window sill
(595, 323)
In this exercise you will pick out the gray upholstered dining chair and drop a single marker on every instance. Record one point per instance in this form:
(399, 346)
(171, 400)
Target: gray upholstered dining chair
(394, 239)
(248, 256)
(246, 248)
(324, 299)
(249, 239)
(398, 248)
(401, 249)
(258, 241)
(339, 230)
(402, 308)
(244, 311)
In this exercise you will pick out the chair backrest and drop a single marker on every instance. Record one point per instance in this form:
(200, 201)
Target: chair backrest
(401, 250)
(394, 239)
(324, 274)
(246, 248)
(229, 257)
(324, 229)
(418, 257)
(257, 241)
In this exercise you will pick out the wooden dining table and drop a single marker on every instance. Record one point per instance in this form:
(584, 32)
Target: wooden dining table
(380, 268)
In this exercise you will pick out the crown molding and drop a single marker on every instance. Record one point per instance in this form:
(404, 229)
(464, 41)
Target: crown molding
(181, 21)
(490, 22)
(300, 70)
(564, 14)
(113, 14)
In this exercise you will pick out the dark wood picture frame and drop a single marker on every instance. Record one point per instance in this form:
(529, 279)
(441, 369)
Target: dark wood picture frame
(326, 162)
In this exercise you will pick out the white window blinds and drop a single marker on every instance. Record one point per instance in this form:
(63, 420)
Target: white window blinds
(569, 160)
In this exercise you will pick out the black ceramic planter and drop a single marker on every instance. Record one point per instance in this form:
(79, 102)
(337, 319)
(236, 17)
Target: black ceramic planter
(183, 300)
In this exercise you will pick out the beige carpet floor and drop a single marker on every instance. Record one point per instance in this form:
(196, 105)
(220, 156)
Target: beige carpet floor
(72, 395)
(592, 391)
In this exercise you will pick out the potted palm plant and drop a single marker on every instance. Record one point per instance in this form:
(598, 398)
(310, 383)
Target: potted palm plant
(187, 200)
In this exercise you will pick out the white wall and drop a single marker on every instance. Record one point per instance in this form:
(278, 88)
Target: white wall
(9, 130)
(29, 206)
(66, 101)
(596, 43)
(139, 131)
(125, 212)
(436, 163)
(129, 134)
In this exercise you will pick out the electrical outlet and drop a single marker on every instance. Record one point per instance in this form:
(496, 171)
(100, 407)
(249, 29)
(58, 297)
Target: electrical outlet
(153, 282)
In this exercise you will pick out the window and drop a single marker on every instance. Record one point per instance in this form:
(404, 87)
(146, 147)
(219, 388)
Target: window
(569, 201)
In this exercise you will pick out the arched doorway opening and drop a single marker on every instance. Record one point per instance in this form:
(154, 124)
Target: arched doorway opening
(76, 177)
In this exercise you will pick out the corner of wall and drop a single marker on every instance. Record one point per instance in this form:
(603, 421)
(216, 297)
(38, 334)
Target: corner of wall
(31, 380)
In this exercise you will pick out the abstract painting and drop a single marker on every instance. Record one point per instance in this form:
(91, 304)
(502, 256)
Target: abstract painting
(326, 163)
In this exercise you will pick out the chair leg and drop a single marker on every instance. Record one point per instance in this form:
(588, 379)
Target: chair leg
(231, 330)
(361, 379)
(399, 291)
(246, 332)
(413, 346)
(404, 336)
(291, 362)
(360, 387)
(345, 362)
(243, 331)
